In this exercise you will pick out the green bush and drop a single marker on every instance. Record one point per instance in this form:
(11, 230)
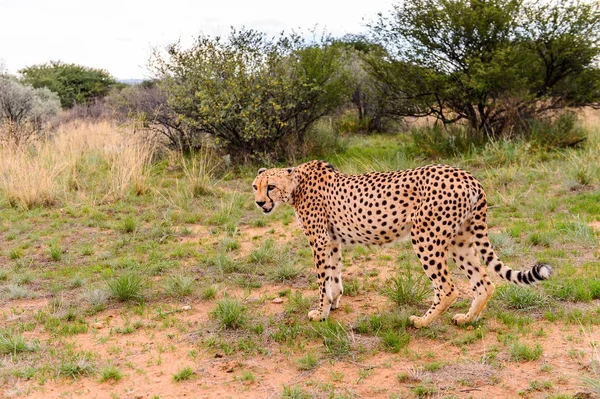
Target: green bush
(438, 141)
(24, 110)
(252, 93)
(74, 84)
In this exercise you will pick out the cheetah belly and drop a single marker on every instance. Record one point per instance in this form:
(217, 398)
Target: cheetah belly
(349, 233)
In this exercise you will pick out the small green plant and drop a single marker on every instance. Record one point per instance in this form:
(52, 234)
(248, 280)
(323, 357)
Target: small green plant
(294, 392)
(128, 224)
(307, 362)
(265, 254)
(55, 251)
(15, 253)
(76, 282)
(521, 298)
(230, 244)
(230, 313)
(127, 287)
(394, 341)
(247, 376)
(110, 373)
(335, 337)
(81, 365)
(522, 352)
(184, 374)
(3, 275)
(96, 297)
(407, 288)
(424, 390)
(298, 303)
(13, 343)
(179, 285)
(87, 250)
(208, 292)
(285, 271)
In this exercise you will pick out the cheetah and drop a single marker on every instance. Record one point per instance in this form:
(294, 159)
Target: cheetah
(441, 208)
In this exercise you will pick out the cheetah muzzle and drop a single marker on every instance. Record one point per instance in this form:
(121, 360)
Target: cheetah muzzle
(441, 208)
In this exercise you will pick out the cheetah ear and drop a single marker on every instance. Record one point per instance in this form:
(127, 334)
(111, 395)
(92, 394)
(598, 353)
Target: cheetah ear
(290, 170)
(262, 170)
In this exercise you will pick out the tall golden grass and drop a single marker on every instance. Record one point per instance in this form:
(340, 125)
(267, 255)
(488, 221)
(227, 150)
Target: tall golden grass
(52, 169)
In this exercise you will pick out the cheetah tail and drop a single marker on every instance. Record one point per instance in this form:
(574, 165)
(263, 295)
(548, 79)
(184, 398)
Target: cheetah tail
(539, 272)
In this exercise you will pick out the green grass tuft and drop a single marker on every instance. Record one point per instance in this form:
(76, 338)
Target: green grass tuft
(230, 313)
(127, 287)
(110, 373)
(179, 285)
(407, 288)
(307, 362)
(520, 298)
(12, 343)
(394, 341)
(184, 374)
(523, 353)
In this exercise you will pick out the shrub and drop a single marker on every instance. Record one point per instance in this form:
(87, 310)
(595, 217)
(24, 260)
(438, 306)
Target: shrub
(438, 141)
(74, 84)
(24, 111)
(249, 92)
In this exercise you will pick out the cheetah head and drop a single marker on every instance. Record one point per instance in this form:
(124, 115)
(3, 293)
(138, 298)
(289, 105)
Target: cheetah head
(273, 187)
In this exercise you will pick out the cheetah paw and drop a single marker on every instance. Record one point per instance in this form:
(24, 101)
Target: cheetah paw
(460, 318)
(336, 303)
(316, 315)
(417, 321)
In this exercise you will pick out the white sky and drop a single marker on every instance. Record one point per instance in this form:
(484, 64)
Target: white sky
(119, 35)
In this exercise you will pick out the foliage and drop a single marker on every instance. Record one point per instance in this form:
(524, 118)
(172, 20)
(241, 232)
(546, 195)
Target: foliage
(407, 287)
(230, 313)
(147, 104)
(127, 287)
(250, 92)
(366, 99)
(496, 64)
(24, 110)
(74, 84)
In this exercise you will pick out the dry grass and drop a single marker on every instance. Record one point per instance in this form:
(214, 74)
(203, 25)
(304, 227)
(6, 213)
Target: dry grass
(46, 171)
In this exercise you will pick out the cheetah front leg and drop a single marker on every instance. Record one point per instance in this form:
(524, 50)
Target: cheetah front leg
(321, 247)
(335, 282)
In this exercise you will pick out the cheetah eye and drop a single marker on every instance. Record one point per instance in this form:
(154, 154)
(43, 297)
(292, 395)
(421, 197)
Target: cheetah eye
(254, 187)
(270, 187)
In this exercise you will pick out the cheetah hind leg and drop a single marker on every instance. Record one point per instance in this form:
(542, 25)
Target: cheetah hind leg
(433, 260)
(481, 286)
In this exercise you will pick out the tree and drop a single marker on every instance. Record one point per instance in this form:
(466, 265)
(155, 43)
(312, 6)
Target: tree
(365, 98)
(147, 103)
(249, 92)
(493, 63)
(74, 84)
(24, 110)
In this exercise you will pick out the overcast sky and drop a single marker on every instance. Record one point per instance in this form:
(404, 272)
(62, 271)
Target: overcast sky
(118, 35)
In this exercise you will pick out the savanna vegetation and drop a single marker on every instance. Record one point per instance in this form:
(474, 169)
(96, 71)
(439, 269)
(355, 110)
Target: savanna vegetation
(133, 262)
